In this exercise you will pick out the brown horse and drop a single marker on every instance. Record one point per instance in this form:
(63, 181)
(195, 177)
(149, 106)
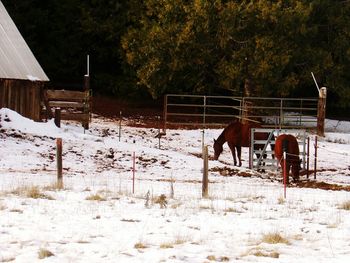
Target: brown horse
(290, 143)
(237, 135)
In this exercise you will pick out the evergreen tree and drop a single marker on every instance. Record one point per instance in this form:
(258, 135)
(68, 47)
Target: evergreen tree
(204, 46)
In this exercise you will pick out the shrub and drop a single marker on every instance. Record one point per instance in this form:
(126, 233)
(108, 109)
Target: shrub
(274, 238)
(35, 193)
(140, 245)
(44, 253)
(95, 197)
(345, 205)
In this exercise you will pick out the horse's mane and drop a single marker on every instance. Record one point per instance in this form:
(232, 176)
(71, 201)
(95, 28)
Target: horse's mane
(235, 124)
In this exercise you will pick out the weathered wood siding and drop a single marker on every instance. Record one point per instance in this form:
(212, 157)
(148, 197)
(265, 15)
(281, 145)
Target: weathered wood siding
(22, 96)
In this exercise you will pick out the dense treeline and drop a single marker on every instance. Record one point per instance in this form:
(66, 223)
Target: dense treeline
(139, 47)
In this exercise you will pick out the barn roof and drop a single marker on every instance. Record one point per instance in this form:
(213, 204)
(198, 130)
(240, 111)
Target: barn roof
(16, 59)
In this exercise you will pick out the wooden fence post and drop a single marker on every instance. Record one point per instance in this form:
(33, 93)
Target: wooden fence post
(205, 173)
(86, 82)
(321, 111)
(58, 117)
(59, 161)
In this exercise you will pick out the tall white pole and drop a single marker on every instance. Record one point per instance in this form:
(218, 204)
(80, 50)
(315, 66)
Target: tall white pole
(318, 88)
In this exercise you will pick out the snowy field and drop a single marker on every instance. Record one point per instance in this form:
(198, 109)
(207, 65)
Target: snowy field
(96, 217)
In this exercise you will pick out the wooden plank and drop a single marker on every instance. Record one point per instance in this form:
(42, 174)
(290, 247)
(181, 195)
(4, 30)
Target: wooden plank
(67, 95)
(66, 104)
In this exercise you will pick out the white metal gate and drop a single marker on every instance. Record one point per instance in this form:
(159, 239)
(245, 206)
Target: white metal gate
(270, 163)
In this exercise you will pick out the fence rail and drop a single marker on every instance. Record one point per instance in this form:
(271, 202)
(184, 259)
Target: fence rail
(218, 111)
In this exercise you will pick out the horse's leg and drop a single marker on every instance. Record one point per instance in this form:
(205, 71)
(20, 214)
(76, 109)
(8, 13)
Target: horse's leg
(239, 151)
(287, 172)
(295, 171)
(262, 163)
(233, 151)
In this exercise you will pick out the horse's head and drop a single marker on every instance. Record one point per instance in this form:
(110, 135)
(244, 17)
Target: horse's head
(296, 169)
(217, 149)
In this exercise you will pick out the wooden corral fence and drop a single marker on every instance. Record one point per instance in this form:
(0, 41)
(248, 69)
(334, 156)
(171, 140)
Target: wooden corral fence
(73, 105)
(270, 163)
(278, 113)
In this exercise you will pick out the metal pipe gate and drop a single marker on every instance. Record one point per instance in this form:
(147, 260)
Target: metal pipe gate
(217, 111)
(271, 163)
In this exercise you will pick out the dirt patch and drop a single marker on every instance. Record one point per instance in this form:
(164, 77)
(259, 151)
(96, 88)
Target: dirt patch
(226, 171)
(322, 185)
(137, 114)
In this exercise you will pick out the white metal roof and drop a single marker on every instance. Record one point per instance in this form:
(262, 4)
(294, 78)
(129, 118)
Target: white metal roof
(16, 59)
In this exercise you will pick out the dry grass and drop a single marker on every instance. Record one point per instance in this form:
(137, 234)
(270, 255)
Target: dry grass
(83, 242)
(257, 251)
(35, 193)
(176, 205)
(219, 259)
(161, 200)
(274, 238)
(2, 206)
(231, 210)
(281, 200)
(9, 259)
(54, 187)
(44, 253)
(31, 192)
(345, 205)
(15, 210)
(179, 240)
(95, 197)
(273, 254)
(166, 245)
(140, 245)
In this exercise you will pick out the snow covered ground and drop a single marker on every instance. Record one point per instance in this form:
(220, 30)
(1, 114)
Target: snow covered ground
(97, 218)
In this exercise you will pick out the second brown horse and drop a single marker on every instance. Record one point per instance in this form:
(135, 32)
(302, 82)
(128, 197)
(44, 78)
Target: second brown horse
(290, 143)
(237, 135)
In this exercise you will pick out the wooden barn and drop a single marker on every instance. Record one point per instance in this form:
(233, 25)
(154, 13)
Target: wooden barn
(21, 77)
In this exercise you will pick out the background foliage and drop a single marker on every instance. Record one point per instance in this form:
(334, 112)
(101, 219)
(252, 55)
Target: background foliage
(150, 47)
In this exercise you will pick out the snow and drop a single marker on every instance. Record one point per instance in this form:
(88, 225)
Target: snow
(32, 78)
(230, 225)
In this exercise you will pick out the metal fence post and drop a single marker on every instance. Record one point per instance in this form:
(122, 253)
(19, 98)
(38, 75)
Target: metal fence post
(165, 112)
(205, 173)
